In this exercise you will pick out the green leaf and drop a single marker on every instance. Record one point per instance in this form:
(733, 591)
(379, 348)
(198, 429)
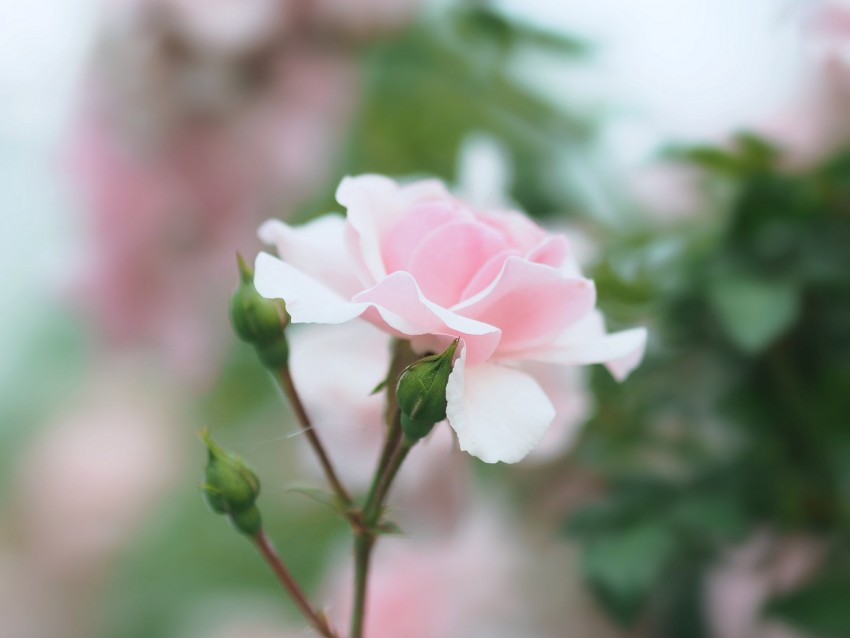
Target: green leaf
(754, 312)
(822, 609)
(389, 528)
(623, 568)
(381, 385)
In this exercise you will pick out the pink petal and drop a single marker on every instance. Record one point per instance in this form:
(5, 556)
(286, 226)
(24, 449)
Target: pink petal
(374, 204)
(398, 302)
(402, 239)
(551, 251)
(317, 249)
(498, 413)
(487, 274)
(523, 233)
(447, 258)
(531, 303)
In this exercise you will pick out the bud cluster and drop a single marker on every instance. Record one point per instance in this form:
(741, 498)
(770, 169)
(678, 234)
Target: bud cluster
(259, 321)
(231, 487)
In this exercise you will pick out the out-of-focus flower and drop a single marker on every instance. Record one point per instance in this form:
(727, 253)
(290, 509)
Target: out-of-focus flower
(90, 479)
(667, 192)
(366, 18)
(816, 123)
(250, 628)
(421, 265)
(335, 369)
(463, 585)
(566, 387)
(197, 119)
(764, 566)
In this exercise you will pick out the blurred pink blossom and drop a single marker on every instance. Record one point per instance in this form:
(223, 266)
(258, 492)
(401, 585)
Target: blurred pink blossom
(666, 191)
(816, 122)
(197, 120)
(749, 575)
(460, 585)
(82, 490)
(91, 478)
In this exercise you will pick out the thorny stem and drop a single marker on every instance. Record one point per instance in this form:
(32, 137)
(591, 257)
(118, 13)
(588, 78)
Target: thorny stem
(317, 619)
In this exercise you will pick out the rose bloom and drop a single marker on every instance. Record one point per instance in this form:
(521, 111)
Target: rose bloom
(422, 265)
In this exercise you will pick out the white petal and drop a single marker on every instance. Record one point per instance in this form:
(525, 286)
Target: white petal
(633, 343)
(498, 413)
(370, 205)
(307, 300)
(317, 249)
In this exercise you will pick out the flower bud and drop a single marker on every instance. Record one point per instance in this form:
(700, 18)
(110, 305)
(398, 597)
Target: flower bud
(231, 487)
(256, 319)
(421, 393)
(248, 522)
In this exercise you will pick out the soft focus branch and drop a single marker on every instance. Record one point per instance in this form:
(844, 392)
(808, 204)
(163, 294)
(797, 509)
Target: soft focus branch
(316, 618)
(284, 378)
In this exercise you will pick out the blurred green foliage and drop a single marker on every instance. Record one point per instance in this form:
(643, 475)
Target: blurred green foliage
(739, 417)
(450, 76)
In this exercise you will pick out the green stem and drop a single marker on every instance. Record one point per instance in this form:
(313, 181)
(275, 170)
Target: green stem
(375, 504)
(365, 541)
(363, 545)
(315, 618)
(390, 445)
(392, 455)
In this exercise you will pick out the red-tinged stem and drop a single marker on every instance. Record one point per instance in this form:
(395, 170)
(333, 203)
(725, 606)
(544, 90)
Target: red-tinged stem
(284, 377)
(315, 618)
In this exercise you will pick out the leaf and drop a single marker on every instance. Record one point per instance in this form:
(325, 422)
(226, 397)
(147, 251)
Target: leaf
(389, 528)
(754, 312)
(623, 568)
(821, 609)
(381, 385)
(709, 517)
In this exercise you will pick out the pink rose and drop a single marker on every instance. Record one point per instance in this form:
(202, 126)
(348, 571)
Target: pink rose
(422, 265)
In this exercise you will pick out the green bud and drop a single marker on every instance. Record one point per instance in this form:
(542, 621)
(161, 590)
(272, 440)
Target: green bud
(415, 430)
(274, 355)
(256, 319)
(421, 393)
(230, 486)
(248, 522)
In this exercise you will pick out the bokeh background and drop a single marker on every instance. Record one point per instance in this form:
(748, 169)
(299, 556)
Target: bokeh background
(697, 153)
